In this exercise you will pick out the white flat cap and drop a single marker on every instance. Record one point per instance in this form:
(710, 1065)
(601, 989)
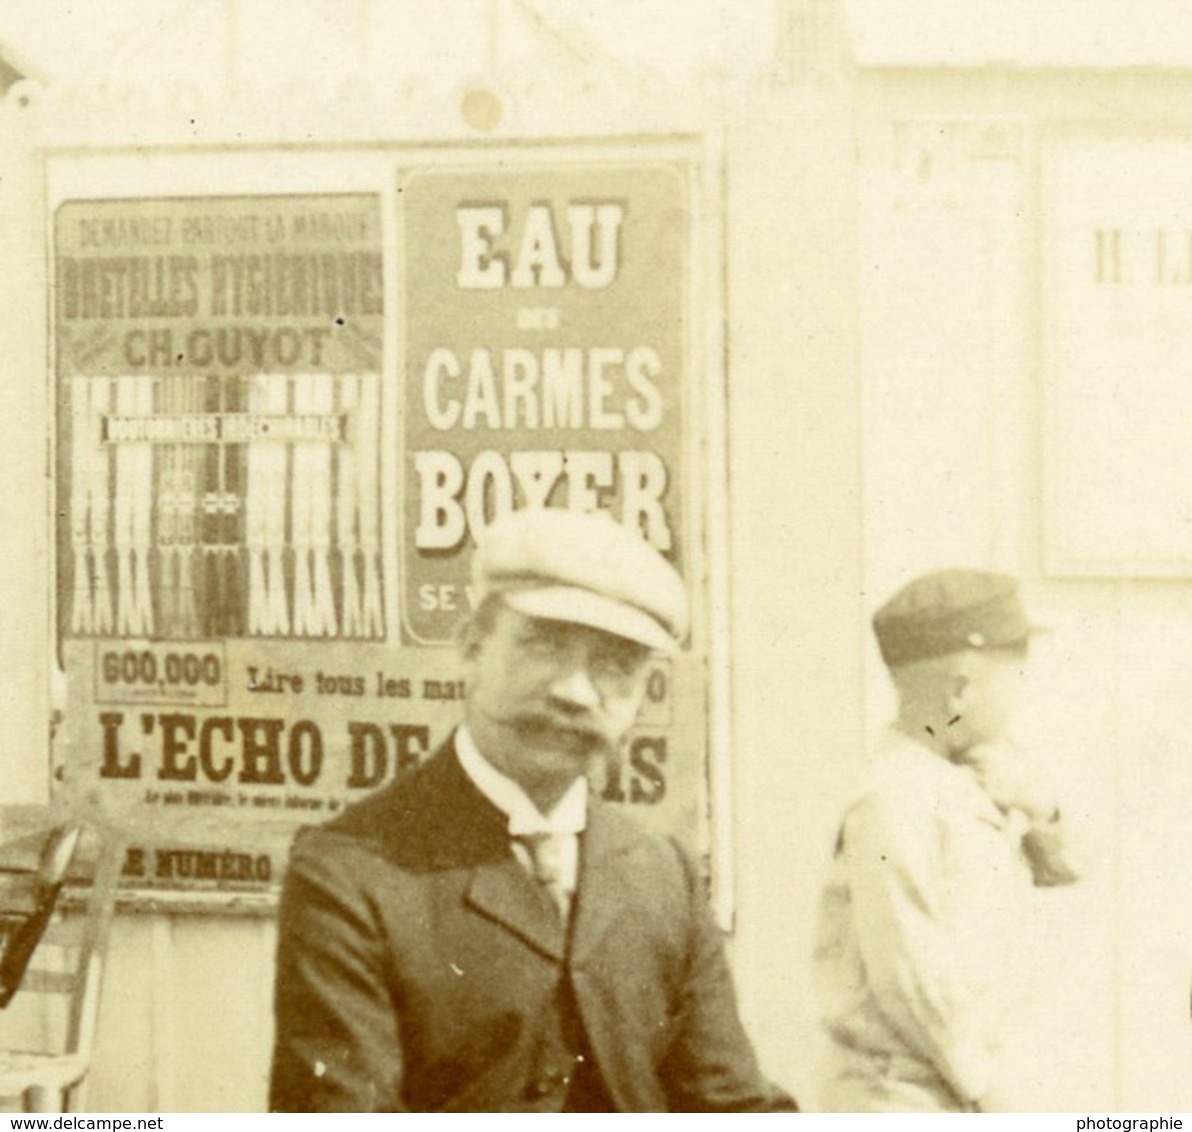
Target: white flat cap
(584, 568)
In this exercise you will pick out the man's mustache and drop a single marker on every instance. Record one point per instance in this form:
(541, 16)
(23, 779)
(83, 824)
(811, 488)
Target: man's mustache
(543, 723)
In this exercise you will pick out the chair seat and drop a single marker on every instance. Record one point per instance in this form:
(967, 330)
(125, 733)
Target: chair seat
(21, 1070)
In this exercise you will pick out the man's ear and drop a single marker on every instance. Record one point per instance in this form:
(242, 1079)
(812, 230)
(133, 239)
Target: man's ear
(958, 686)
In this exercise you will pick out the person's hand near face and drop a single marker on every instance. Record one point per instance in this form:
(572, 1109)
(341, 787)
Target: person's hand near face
(1012, 780)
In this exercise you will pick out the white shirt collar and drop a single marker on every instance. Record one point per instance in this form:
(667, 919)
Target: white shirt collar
(570, 814)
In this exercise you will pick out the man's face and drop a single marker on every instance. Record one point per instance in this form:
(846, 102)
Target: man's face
(992, 693)
(546, 699)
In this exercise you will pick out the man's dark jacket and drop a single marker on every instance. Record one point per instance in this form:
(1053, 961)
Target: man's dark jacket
(420, 967)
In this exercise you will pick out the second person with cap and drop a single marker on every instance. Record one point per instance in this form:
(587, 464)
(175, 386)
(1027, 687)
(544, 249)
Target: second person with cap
(920, 939)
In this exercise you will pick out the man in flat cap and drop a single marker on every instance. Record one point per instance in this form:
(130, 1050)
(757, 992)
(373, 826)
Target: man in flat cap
(919, 942)
(486, 934)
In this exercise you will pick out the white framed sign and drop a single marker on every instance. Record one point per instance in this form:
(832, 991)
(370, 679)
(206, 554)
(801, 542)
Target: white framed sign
(1117, 300)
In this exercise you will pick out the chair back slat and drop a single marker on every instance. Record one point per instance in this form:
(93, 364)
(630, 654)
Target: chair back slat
(65, 930)
(38, 981)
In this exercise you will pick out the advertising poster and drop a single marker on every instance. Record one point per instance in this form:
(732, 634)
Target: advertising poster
(273, 463)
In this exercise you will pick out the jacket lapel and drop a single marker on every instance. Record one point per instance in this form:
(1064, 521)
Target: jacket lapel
(603, 880)
(460, 829)
(505, 893)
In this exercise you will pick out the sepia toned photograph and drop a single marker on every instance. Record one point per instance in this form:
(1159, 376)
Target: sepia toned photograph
(571, 557)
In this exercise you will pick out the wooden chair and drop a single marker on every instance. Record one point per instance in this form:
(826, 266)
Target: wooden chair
(55, 914)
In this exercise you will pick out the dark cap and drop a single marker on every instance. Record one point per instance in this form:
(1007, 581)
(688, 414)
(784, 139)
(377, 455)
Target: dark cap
(950, 611)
